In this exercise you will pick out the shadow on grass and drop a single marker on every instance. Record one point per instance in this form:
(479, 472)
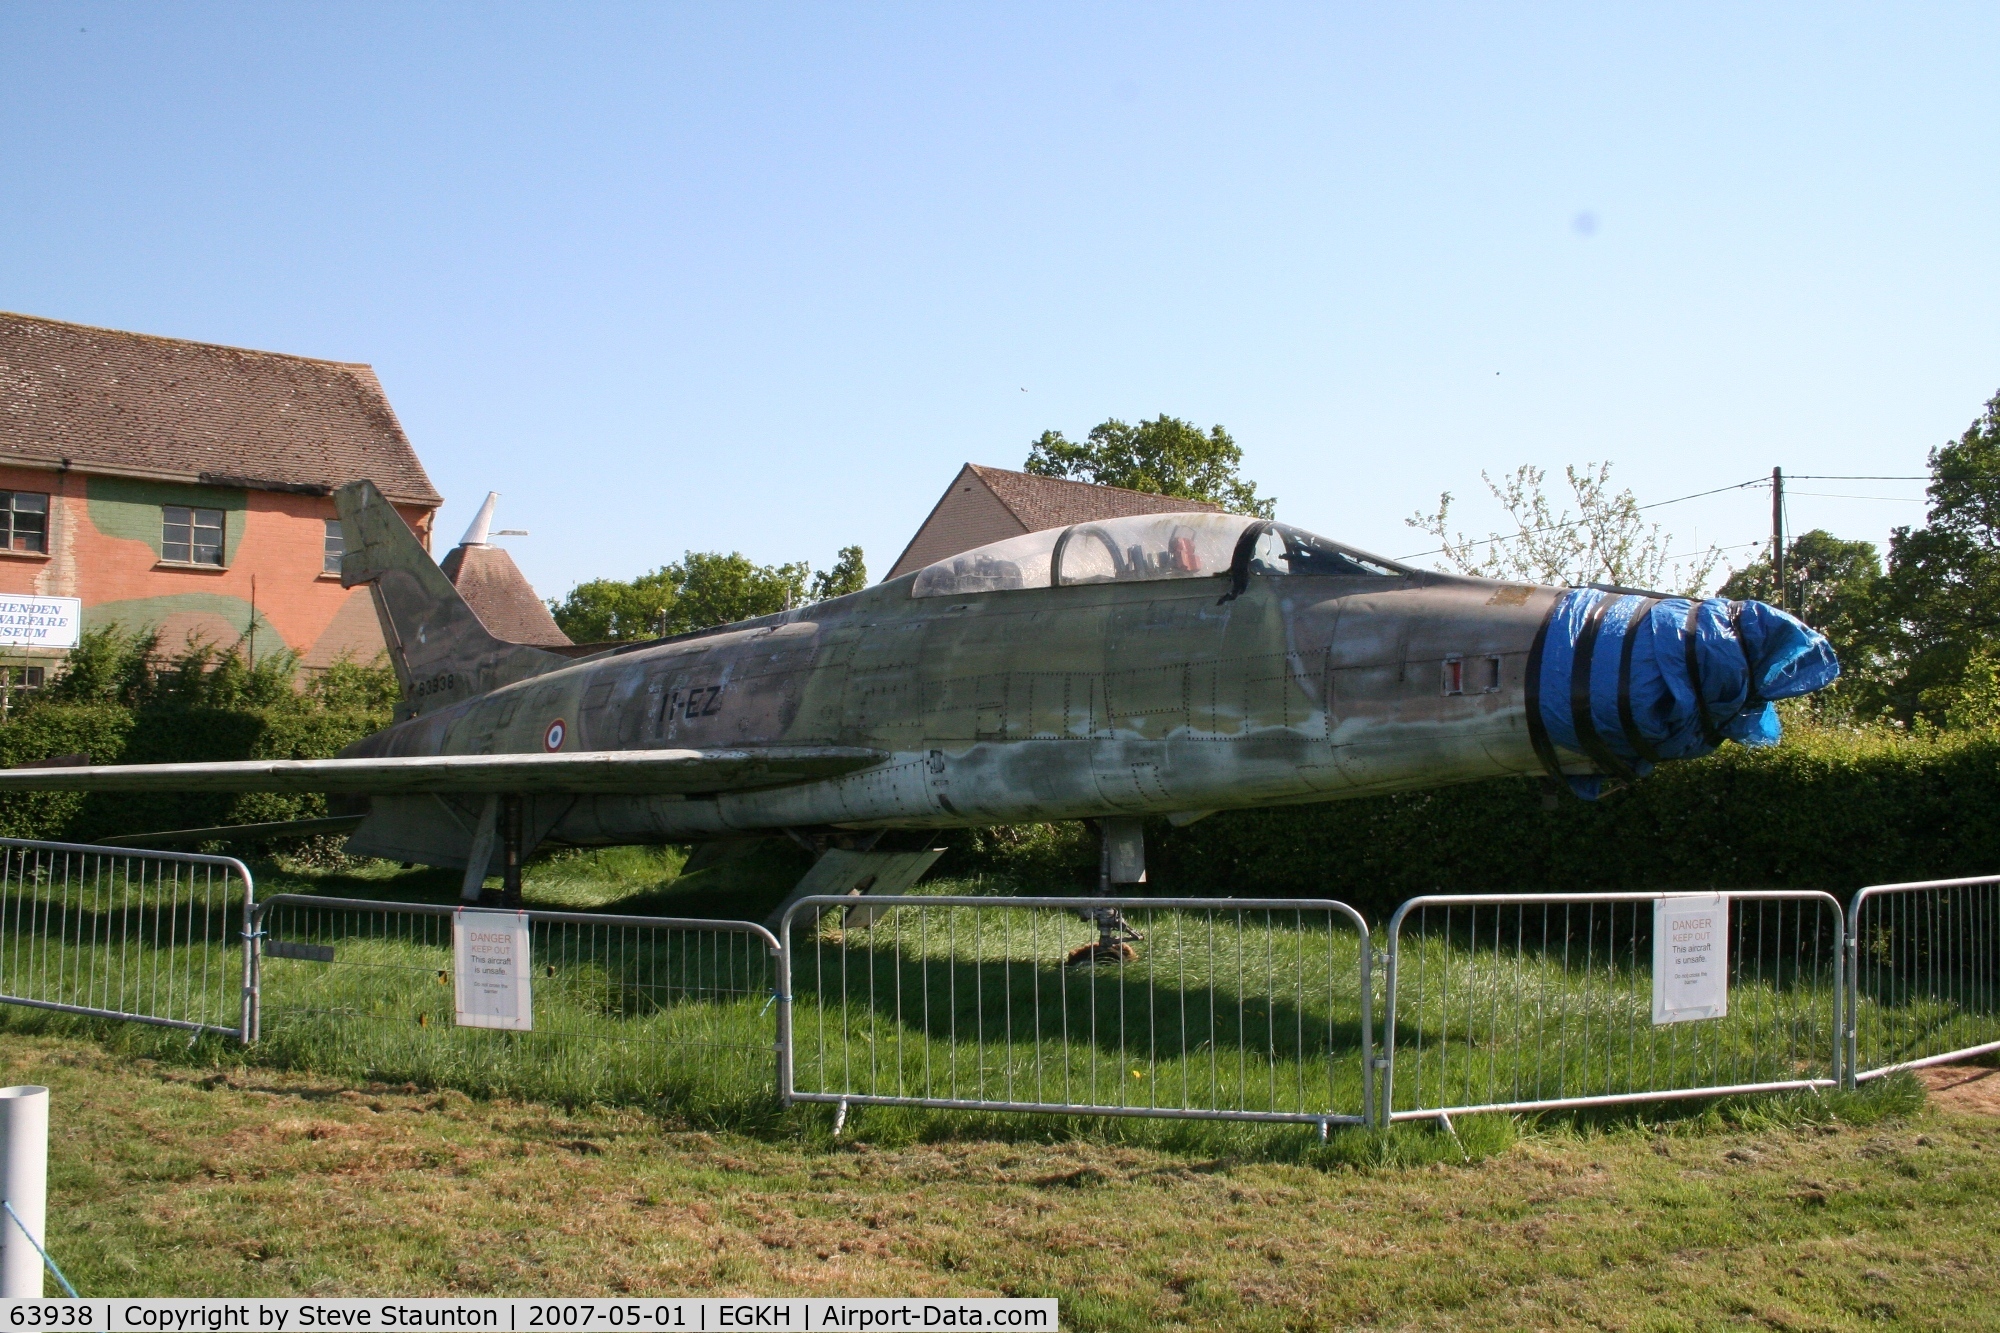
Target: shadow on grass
(628, 881)
(1201, 1145)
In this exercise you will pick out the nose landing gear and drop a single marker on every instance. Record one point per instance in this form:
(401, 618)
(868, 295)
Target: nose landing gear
(1121, 859)
(1115, 938)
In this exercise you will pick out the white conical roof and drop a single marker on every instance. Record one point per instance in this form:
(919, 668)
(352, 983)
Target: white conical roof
(481, 522)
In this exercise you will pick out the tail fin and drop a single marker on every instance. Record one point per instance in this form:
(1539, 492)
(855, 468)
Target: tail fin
(441, 652)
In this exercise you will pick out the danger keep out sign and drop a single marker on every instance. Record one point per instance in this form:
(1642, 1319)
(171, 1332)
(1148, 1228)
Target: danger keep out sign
(490, 957)
(1690, 957)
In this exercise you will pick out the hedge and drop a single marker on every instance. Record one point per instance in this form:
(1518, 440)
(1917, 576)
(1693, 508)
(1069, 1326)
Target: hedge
(1829, 808)
(1824, 810)
(112, 734)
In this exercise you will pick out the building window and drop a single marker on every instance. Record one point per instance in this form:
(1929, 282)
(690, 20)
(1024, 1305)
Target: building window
(190, 536)
(24, 521)
(336, 546)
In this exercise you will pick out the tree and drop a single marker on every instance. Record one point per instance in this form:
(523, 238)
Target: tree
(1164, 456)
(701, 590)
(1942, 591)
(609, 610)
(1836, 586)
(1607, 542)
(849, 574)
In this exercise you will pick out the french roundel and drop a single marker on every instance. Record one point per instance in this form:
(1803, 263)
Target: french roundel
(553, 739)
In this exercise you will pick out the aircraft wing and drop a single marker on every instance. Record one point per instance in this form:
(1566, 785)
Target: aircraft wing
(599, 772)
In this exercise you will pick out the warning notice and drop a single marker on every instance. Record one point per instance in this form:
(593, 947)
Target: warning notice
(1690, 957)
(490, 954)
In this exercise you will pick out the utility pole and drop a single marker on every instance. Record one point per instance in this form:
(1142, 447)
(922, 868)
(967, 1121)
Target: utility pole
(1778, 536)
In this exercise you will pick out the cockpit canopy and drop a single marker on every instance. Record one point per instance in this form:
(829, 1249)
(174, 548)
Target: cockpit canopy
(1143, 548)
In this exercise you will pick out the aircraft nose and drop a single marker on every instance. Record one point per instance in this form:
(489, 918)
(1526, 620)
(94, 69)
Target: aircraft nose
(1622, 681)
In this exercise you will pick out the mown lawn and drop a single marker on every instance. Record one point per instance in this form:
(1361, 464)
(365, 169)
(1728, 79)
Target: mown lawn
(172, 1177)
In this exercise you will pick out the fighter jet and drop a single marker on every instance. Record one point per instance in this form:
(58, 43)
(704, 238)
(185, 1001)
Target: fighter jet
(1158, 665)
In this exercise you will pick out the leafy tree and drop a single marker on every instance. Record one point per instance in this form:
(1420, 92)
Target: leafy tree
(849, 574)
(721, 589)
(347, 685)
(107, 666)
(1608, 541)
(111, 665)
(1836, 586)
(1164, 456)
(701, 590)
(1942, 592)
(608, 610)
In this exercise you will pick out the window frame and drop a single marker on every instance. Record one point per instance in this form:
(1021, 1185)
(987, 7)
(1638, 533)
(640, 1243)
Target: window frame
(194, 526)
(9, 528)
(333, 548)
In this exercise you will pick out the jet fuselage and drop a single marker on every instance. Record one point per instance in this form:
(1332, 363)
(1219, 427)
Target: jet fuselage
(1040, 703)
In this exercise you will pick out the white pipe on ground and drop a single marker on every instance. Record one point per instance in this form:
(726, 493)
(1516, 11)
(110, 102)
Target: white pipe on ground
(24, 1183)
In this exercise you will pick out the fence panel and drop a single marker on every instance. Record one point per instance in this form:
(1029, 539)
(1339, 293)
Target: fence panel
(1197, 1008)
(1924, 969)
(1521, 1002)
(625, 1008)
(155, 937)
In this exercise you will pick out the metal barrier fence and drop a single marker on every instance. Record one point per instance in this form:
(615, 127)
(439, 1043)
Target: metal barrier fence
(1197, 1008)
(1924, 969)
(1527, 1002)
(624, 1007)
(155, 937)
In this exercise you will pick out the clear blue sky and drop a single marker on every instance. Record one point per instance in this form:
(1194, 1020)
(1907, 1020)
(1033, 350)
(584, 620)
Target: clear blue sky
(761, 278)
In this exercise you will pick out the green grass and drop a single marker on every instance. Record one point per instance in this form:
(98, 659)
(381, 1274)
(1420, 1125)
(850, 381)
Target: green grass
(1246, 1011)
(205, 1177)
(1219, 1010)
(631, 1145)
(1487, 1014)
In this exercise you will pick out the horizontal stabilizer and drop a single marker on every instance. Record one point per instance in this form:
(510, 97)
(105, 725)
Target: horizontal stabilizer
(600, 772)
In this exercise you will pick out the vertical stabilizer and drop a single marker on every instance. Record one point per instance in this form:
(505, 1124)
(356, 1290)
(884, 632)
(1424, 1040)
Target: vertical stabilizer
(441, 652)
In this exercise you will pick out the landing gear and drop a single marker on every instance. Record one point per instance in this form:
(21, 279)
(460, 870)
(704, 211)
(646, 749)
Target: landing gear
(502, 819)
(1115, 938)
(1121, 859)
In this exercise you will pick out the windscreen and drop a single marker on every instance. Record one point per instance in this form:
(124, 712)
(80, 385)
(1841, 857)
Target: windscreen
(1281, 549)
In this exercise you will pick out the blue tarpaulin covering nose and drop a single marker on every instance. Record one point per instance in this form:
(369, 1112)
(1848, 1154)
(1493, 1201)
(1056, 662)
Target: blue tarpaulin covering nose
(1628, 680)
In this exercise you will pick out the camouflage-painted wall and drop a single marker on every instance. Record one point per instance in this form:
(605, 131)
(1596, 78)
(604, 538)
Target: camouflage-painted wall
(105, 548)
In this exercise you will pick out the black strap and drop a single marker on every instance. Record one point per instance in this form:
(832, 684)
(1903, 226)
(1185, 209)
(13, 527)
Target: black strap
(1626, 720)
(1538, 732)
(1602, 755)
(1708, 731)
(1750, 696)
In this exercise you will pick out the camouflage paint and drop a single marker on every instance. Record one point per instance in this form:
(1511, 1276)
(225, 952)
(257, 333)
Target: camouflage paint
(275, 538)
(128, 508)
(186, 617)
(1000, 707)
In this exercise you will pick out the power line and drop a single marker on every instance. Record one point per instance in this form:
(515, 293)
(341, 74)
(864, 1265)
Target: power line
(1893, 499)
(1577, 523)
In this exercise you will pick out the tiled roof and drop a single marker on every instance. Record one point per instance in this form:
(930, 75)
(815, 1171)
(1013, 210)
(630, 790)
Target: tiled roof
(137, 405)
(498, 593)
(1049, 502)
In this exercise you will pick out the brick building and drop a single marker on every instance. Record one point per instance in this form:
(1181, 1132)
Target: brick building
(171, 485)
